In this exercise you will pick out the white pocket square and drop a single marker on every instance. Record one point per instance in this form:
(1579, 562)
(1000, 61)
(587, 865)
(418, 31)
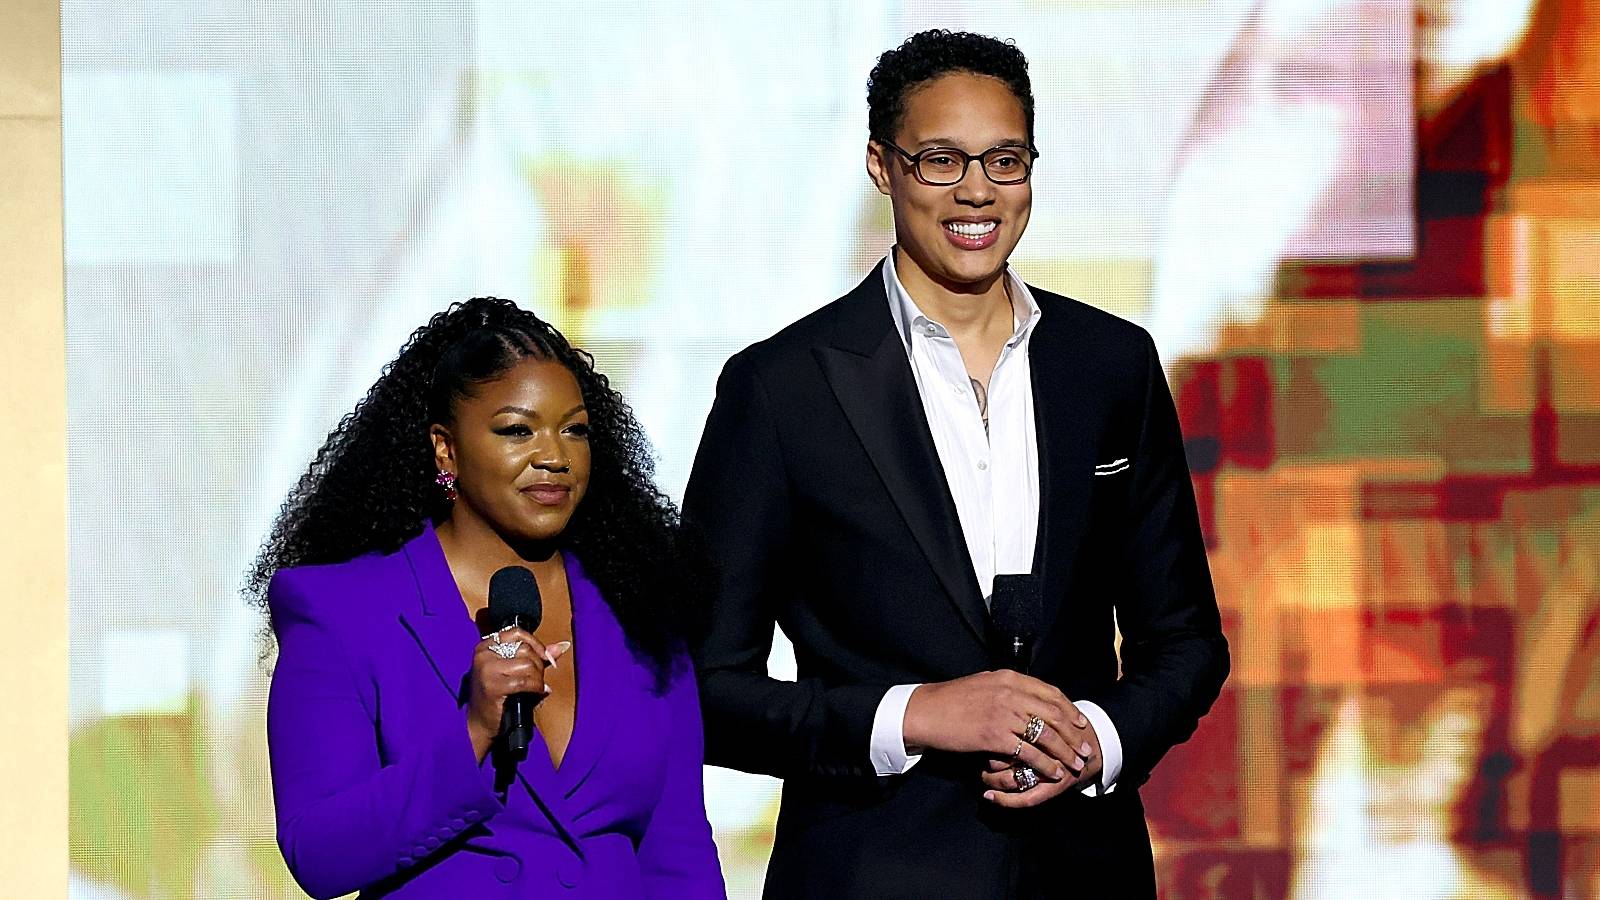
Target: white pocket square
(1113, 467)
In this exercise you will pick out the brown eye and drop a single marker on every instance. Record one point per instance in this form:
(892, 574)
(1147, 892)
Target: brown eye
(578, 429)
(514, 430)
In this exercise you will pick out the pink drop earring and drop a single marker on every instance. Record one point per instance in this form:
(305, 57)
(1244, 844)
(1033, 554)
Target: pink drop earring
(446, 480)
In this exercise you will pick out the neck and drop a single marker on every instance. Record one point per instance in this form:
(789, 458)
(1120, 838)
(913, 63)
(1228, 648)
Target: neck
(961, 307)
(475, 551)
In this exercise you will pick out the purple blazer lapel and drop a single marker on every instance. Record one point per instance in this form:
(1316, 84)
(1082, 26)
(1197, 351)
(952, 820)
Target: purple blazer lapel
(439, 621)
(447, 638)
(601, 654)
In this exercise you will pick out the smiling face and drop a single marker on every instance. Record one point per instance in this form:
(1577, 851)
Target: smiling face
(958, 236)
(519, 447)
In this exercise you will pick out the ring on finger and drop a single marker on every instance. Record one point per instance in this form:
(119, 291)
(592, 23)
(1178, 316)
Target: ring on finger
(1026, 779)
(1034, 729)
(506, 650)
(1018, 752)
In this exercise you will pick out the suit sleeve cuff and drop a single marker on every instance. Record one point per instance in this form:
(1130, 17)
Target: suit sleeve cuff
(1110, 747)
(889, 756)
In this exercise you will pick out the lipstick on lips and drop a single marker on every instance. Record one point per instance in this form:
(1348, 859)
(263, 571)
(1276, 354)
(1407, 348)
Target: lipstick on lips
(548, 494)
(972, 234)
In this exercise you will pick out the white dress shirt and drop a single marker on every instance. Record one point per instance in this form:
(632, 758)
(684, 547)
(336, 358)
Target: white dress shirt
(993, 476)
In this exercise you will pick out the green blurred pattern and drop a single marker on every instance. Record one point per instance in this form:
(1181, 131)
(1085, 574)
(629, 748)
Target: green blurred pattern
(142, 805)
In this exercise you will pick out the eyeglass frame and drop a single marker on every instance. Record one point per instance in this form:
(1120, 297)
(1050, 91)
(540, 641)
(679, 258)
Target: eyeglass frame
(915, 159)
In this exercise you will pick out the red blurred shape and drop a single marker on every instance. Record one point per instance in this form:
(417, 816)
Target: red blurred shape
(1248, 436)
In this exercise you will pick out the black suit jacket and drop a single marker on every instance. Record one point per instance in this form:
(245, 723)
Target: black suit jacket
(820, 496)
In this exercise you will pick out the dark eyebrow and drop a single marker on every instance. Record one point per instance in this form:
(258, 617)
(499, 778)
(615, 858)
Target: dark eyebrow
(953, 144)
(524, 411)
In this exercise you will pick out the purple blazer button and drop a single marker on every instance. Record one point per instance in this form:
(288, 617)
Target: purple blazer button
(569, 872)
(506, 868)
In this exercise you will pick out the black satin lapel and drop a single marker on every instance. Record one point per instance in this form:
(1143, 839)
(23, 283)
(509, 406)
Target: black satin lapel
(1064, 419)
(880, 399)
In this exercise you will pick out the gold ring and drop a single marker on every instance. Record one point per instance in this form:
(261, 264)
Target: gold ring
(1034, 729)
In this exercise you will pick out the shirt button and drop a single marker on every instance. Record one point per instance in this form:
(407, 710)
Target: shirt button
(983, 466)
(958, 389)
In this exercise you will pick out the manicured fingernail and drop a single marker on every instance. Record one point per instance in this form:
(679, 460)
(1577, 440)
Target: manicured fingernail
(554, 651)
(988, 795)
(1083, 721)
(1084, 749)
(548, 689)
(1060, 774)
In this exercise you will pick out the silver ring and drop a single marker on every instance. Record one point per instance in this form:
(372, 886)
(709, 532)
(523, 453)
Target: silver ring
(507, 650)
(1018, 752)
(1034, 729)
(1025, 778)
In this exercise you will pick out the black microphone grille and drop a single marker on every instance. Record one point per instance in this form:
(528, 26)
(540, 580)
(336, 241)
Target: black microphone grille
(513, 591)
(1017, 605)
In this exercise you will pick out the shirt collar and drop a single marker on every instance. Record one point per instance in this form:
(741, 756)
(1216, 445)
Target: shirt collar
(909, 318)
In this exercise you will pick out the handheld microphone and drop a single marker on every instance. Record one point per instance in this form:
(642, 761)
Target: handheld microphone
(1016, 607)
(514, 603)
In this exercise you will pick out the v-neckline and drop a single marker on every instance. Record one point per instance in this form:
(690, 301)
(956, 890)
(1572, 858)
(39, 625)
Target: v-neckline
(578, 680)
(572, 573)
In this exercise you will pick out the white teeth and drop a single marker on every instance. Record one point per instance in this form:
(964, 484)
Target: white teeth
(971, 229)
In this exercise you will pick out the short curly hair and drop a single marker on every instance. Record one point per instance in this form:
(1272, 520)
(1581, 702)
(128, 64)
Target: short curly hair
(927, 55)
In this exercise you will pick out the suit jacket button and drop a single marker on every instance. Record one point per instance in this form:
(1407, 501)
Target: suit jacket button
(507, 868)
(569, 872)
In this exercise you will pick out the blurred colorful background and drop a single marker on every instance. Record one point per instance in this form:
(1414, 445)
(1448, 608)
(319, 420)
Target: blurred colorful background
(1366, 234)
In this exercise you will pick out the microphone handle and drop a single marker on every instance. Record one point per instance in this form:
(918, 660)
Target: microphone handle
(516, 717)
(516, 722)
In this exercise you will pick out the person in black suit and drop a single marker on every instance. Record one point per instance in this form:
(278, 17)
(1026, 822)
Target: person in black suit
(870, 473)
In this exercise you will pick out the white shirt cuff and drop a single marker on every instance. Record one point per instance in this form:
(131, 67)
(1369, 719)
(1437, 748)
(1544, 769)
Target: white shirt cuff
(888, 749)
(1110, 746)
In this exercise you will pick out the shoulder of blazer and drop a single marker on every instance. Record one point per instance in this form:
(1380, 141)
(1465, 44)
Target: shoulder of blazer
(1114, 343)
(333, 590)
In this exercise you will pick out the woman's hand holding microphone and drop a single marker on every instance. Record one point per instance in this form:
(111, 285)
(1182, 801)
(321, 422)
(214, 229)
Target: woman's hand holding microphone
(498, 673)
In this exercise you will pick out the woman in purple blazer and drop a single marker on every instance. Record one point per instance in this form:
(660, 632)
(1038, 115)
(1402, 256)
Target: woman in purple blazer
(488, 442)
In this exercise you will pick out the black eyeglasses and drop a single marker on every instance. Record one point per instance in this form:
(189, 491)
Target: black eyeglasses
(944, 166)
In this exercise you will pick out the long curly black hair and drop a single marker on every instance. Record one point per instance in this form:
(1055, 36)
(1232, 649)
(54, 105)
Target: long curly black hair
(371, 486)
(927, 55)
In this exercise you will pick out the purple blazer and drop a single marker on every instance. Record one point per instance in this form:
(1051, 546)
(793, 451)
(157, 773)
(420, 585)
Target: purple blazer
(375, 781)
